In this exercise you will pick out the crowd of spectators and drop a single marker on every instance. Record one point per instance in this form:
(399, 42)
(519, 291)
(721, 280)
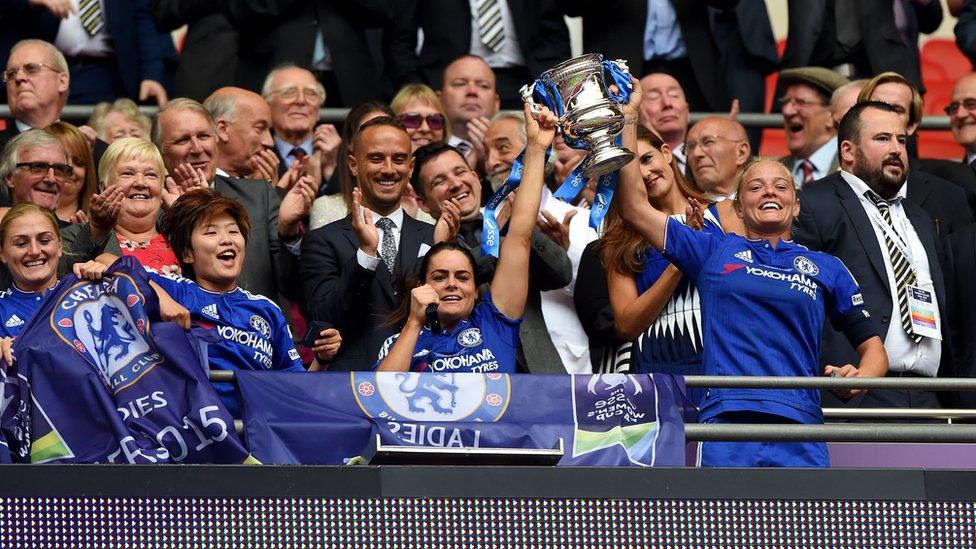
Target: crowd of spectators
(369, 236)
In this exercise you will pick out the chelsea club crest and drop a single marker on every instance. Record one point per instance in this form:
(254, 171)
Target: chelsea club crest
(106, 323)
(432, 396)
(260, 326)
(806, 266)
(470, 337)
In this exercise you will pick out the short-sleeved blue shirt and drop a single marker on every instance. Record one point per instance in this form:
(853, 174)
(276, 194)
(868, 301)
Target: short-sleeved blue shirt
(16, 308)
(763, 310)
(253, 331)
(672, 344)
(484, 342)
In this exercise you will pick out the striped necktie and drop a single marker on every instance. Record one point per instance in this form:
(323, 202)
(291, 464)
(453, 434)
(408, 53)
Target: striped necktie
(90, 13)
(490, 26)
(903, 271)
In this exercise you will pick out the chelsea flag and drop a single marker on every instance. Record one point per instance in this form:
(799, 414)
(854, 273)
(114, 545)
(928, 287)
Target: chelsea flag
(99, 378)
(330, 418)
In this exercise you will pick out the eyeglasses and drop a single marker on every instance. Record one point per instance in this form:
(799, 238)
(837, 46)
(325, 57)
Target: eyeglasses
(41, 168)
(30, 69)
(707, 143)
(800, 103)
(968, 104)
(291, 93)
(413, 120)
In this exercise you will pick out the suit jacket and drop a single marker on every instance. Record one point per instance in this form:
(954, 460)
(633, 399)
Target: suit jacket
(539, 26)
(832, 220)
(284, 31)
(355, 300)
(744, 37)
(209, 57)
(960, 271)
(270, 269)
(615, 28)
(945, 203)
(958, 173)
(812, 35)
(134, 36)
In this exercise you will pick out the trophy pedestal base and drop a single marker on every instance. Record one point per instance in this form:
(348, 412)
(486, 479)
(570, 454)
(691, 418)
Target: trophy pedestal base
(607, 160)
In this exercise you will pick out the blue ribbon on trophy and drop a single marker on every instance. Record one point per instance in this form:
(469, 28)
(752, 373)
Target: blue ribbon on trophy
(589, 118)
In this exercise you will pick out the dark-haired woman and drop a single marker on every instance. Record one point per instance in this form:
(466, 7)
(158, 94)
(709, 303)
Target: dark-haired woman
(653, 304)
(474, 337)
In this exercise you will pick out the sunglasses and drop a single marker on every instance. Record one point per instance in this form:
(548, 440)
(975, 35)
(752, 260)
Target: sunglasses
(413, 120)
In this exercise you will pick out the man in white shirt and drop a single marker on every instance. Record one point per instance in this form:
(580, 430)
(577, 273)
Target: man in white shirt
(37, 82)
(861, 215)
(810, 133)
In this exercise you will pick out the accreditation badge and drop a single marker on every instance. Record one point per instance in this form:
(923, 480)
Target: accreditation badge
(925, 312)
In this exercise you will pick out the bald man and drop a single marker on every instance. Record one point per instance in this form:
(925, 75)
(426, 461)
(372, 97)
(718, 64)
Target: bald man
(244, 142)
(664, 109)
(717, 149)
(844, 98)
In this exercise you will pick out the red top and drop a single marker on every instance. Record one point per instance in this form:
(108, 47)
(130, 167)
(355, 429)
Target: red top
(155, 254)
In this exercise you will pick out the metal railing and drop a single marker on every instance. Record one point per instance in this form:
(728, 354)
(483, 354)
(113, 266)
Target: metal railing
(333, 116)
(859, 432)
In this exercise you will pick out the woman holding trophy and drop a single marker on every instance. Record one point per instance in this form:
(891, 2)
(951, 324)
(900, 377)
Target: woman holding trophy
(764, 300)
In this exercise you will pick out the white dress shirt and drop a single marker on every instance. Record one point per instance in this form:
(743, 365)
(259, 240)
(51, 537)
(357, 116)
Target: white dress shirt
(510, 54)
(904, 355)
(369, 262)
(73, 40)
(821, 159)
(558, 308)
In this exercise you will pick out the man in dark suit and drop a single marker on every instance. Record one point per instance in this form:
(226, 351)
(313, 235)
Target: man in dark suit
(860, 38)
(519, 39)
(37, 82)
(112, 51)
(295, 97)
(889, 244)
(962, 123)
(944, 202)
(185, 134)
(680, 44)
(327, 36)
(208, 59)
(810, 133)
(350, 268)
(960, 266)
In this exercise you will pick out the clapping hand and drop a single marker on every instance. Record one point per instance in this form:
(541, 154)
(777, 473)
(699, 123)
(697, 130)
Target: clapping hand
(294, 207)
(184, 178)
(264, 166)
(105, 207)
(449, 222)
(326, 142)
(362, 224)
(556, 231)
(694, 214)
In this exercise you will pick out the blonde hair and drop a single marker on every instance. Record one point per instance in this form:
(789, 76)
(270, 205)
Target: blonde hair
(125, 149)
(124, 106)
(22, 209)
(423, 94)
(915, 110)
(741, 178)
(76, 145)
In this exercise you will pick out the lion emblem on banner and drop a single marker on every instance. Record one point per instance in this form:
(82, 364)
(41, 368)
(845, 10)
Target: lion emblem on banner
(432, 396)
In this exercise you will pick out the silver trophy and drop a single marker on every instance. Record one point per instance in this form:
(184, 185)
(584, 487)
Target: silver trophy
(589, 115)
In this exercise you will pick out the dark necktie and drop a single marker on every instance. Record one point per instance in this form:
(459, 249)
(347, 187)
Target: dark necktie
(388, 246)
(807, 168)
(903, 271)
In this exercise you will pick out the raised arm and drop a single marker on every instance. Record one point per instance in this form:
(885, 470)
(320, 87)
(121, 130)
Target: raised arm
(510, 286)
(634, 207)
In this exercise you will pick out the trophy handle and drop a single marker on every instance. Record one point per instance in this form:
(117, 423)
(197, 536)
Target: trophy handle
(528, 96)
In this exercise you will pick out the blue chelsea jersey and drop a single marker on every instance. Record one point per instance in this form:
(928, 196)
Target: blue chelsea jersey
(673, 342)
(763, 310)
(485, 342)
(253, 331)
(16, 308)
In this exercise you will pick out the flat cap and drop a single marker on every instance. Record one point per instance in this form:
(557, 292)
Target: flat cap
(818, 77)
